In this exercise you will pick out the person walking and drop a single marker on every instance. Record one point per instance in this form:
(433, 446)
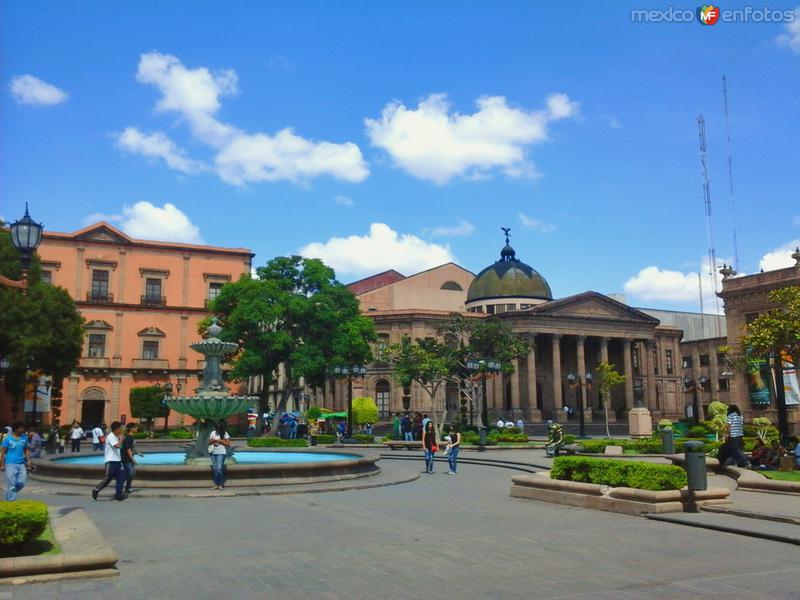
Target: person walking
(218, 443)
(113, 458)
(76, 434)
(97, 438)
(429, 445)
(35, 443)
(396, 426)
(735, 431)
(454, 447)
(128, 453)
(15, 460)
(407, 429)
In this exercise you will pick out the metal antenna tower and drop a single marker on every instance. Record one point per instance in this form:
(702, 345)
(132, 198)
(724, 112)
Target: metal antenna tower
(712, 252)
(730, 173)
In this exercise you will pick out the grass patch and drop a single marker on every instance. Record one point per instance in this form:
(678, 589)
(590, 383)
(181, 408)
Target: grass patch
(782, 475)
(43, 545)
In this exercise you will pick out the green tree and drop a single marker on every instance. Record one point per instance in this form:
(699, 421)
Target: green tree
(778, 330)
(718, 417)
(364, 410)
(472, 338)
(146, 404)
(294, 315)
(606, 378)
(39, 330)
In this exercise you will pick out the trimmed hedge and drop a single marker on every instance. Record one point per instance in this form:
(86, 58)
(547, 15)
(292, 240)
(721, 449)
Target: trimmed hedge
(364, 438)
(21, 521)
(325, 438)
(181, 434)
(275, 442)
(619, 473)
(643, 446)
(517, 438)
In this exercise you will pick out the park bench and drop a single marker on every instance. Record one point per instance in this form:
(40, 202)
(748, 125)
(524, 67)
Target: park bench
(396, 444)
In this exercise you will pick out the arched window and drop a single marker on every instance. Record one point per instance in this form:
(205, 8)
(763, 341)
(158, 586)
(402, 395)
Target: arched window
(382, 396)
(452, 285)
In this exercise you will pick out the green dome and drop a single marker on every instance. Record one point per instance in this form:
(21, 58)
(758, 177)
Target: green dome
(508, 278)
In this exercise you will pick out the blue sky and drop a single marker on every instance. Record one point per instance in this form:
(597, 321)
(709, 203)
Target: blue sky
(409, 131)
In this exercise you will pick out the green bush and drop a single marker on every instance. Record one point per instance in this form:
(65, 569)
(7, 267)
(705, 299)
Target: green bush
(643, 446)
(275, 442)
(325, 438)
(698, 431)
(569, 439)
(515, 438)
(140, 435)
(619, 473)
(470, 437)
(364, 438)
(180, 434)
(21, 521)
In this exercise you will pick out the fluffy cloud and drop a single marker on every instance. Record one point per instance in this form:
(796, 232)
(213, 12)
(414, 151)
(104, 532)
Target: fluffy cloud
(344, 201)
(463, 228)
(380, 250)
(157, 145)
(656, 284)
(147, 221)
(240, 157)
(780, 258)
(433, 143)
(535, 224)
(28, 89)
(791, 37)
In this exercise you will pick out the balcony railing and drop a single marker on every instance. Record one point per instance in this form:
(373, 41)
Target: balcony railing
(150, 364)
(100, 297)
(94, 362)
(154, 301)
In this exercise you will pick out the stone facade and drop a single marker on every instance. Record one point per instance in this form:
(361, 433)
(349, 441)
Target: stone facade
(142, 302)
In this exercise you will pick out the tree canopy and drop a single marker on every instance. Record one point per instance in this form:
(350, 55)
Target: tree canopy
(777, 330)
(364, 410)
(146, 403)
(294, 314)
(39, 330)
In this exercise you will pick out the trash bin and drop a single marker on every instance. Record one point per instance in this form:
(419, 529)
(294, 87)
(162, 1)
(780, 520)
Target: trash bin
(696, 466)
(667, 441)
(482, 439)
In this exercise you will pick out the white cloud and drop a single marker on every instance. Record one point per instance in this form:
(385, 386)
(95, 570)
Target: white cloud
(791, 39)
(536, 224)
(380, 250)
(656, 284)
(241, 157)
(157, 145)
(146, 221)
(612, 121)
(463, 228)
(344, 201)
(780, 258)
(432, 143)
(28, 89)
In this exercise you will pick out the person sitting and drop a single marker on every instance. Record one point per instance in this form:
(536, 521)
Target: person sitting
(794, 449)
(760, 454)
(774, 454)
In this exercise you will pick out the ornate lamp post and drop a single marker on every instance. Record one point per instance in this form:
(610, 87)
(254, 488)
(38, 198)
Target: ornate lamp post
(689, 385)
(575, 381)
(484, 368)
(349, 371)
(26, 235)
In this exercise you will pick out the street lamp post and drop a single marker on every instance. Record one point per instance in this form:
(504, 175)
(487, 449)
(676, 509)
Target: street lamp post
(484, 368)
(349, 372)
(575, 381)
(26, 235)
(689, 385)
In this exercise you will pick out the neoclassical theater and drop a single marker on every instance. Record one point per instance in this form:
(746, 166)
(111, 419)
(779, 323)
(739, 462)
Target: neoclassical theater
(569, 335)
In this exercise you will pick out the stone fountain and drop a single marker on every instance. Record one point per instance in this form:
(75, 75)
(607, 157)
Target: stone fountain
(212, 402)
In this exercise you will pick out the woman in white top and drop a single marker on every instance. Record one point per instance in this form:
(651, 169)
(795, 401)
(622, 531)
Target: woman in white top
(76, 435)
(218, 443)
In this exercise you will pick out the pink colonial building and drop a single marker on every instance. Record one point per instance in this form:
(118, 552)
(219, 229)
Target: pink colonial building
(142, 301)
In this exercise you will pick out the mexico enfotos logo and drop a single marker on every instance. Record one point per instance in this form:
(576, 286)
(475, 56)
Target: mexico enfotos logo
(710, 14)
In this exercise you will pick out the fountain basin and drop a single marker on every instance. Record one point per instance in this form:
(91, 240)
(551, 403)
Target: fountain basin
(283, 466)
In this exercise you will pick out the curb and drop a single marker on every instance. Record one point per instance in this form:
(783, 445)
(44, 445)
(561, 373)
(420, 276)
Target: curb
(724, 528)
(85, 553)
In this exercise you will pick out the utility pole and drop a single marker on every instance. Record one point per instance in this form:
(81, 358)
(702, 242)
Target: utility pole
(730, 173)
(712, 252)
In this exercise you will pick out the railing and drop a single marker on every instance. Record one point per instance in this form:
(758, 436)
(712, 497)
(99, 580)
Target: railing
(99, 298)
(94, 362)
(154, 301)
(150, 364)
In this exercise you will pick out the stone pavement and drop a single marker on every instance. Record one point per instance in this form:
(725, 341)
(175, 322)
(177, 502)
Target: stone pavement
(461, 537)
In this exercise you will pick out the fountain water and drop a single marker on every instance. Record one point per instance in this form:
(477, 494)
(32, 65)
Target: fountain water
(212, 402)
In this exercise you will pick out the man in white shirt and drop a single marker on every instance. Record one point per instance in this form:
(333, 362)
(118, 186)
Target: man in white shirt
(113, 459)
(97, 433)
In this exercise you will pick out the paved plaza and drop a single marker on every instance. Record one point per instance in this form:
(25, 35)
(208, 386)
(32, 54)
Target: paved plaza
(459, 537)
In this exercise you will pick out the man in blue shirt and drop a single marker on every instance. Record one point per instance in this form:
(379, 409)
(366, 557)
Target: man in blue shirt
(15, 460)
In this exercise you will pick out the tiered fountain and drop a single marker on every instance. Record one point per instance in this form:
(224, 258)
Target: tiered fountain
(212, 402)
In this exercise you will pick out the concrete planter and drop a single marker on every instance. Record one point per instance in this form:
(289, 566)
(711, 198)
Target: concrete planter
(629, 501)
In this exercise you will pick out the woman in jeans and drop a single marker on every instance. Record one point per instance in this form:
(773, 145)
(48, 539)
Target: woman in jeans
(218, 443)
(735, 436)
(429, 445)
(455, 446)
